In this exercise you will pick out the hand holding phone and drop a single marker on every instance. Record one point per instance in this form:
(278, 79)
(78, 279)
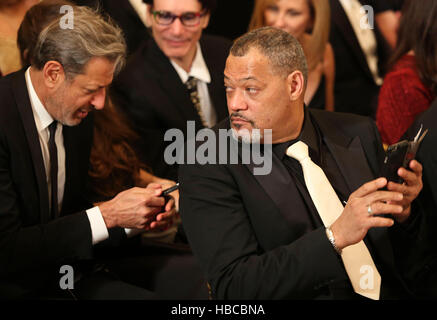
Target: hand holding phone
(399, 155)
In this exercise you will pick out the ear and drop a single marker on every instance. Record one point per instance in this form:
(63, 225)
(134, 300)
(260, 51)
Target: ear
(296, 85)
(53, 74)
(205, 20)
(149, 15)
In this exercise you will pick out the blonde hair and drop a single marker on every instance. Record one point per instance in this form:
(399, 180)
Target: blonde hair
(319, 36)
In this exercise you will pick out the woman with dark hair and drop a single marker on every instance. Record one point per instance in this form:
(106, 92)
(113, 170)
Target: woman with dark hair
(411, 85)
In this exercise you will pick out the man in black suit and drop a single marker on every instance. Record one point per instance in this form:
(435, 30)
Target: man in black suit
(360, 57)
(261, 236)
(152, 89)
(45, 141)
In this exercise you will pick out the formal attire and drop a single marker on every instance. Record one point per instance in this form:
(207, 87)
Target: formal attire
(44, 223)
(34, 244)
(151, 91)
(360, 56)
(427, 156)
(402, 97)
(261, 237)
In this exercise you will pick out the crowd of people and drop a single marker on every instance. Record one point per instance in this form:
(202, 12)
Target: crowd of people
(84, 113)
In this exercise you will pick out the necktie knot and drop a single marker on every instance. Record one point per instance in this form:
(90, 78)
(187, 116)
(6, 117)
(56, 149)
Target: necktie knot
(191, 83)
(52, 128)
(298, 151)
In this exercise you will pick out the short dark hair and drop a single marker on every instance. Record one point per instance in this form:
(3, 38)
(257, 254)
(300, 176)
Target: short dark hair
(208, 5)
(283, 51)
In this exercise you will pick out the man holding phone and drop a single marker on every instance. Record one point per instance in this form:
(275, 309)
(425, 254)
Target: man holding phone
(282, 236)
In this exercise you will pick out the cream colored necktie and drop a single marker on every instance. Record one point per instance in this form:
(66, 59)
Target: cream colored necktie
(357, 260)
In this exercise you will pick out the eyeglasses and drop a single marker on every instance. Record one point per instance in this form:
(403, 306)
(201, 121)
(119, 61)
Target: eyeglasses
(188, 19)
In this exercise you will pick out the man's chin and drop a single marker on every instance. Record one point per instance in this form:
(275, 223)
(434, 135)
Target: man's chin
(246, 135)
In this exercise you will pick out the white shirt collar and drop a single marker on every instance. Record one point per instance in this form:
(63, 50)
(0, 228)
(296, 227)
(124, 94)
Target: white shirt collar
(199, 70)
(44, 119)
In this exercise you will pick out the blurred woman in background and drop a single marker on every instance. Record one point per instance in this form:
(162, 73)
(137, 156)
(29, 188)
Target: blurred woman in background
(11, 14)
(309, 22)
(411, 84)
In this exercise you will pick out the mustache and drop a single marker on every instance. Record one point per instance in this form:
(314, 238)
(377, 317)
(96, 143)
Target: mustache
(239, 115)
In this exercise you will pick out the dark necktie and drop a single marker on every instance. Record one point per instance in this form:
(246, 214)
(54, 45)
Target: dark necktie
(53, 151)
(191, 85)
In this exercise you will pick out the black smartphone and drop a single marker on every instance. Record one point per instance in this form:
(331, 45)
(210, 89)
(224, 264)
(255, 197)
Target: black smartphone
(165, 193)
(399, 155)
(170, 190)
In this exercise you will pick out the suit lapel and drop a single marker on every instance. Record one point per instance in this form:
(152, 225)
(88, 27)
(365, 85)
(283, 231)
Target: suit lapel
(350, 157)
(170, 82)
(340, 19)
(25, 109)
(216, 87)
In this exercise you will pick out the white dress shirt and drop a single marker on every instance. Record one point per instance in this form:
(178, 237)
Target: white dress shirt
(200, 71)
(366, 37)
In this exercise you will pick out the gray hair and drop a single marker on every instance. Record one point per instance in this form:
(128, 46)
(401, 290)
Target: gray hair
(93, 35)
(284, 52)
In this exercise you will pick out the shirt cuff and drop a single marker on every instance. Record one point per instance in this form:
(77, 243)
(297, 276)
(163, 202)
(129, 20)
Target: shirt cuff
(99, 232)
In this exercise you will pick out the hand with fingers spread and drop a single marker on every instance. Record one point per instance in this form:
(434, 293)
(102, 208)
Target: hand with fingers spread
(362, 210)
(410, 188)
(133, 208)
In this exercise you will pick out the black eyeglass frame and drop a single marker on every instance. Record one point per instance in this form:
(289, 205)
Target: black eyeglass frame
(197, 15)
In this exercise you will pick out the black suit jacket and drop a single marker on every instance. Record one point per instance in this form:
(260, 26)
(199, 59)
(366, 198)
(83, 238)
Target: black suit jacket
(246, 230)
(426, 281)
(355, 89)
(33, 246)
(154, 98)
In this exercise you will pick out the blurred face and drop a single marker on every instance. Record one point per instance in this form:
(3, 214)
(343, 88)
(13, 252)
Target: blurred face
(176, 40)
(74, 99)
(292, 16)
(259, 99)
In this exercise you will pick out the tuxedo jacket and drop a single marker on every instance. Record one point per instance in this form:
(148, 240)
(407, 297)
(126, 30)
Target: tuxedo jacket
(33, 245)
(355, 89)
(427, 156)
(246, 229)
(150, 92)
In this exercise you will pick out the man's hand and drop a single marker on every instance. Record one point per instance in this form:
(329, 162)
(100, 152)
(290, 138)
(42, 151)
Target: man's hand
(133, 208)
(410, 188)
(165, 219)
(355, 221)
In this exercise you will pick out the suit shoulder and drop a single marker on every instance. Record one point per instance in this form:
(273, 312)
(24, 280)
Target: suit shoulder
(348, 123)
